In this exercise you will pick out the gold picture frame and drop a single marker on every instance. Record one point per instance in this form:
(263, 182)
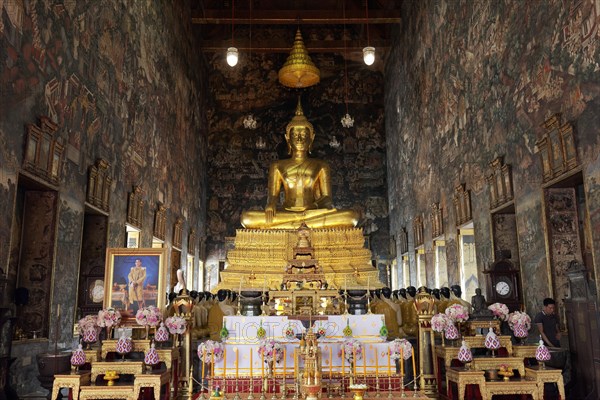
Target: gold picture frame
(126, 289)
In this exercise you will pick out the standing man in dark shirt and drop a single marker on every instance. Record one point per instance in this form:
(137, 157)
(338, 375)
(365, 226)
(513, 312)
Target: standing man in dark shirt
(547, 323)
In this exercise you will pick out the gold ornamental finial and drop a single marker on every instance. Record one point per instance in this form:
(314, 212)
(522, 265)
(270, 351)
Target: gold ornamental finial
(299, 71)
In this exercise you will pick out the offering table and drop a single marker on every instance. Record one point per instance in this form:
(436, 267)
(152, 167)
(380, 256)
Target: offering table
(463, 377)
(73, 381)
(546, 375)
(122, 367)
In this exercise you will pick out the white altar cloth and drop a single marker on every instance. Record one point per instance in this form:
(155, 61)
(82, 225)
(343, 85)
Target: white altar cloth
(243, 340)
(244, 329)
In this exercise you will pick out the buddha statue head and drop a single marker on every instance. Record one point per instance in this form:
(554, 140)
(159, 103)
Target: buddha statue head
(445, 292)
(412, 291)
(299, 123)
(222, 295)
(456, 290)
(402, 293)
(386, 292)
(436, 293)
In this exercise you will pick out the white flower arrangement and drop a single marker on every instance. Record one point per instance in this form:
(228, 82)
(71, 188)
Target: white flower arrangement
(148, 316)
(519, 318)
(109, 317)
(439, 322)
(176, 325)
(457, 313)
(270, 350)
(210, 351)
(351, 347)
(499, 310)
(400, 347)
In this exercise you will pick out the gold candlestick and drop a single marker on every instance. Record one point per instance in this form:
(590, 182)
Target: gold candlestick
(251, 395)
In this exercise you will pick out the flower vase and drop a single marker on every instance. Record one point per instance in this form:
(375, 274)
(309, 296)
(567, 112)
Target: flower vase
(443, 339)
(147, 332)
(109, 332)
(358, 394)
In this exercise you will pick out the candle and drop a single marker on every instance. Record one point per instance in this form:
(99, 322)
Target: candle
(365, 363)
(412, 353)
(295, 366)
(203, 366)
(224, 361)
(212, 365)
(251, 366)
(274, 361)
(58, 312)
(284, 362)
(401, 361)
(376, 363)
(330, 361)
(262, 365)
(343, 363)
(354, 359)
(236, 362)
(389, 363)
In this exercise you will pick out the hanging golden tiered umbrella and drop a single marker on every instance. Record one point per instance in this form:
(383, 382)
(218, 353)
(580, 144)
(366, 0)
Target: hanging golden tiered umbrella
(299, 71)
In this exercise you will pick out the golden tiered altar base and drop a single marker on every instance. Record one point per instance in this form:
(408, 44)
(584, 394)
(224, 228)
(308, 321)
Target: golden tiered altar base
(265, 252)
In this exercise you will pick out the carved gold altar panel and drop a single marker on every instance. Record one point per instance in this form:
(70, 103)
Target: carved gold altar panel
(484, 363)
(153, 381)
(524, 351)
(462, 378)
(93, 355)
(106, 392)
(546, 375)
(168, 356)
(513, 387)
(110, 346)
(479, 341)
(340, 252)
(122, 368)
(71, 381)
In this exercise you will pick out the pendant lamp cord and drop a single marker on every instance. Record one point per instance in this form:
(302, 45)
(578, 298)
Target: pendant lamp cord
(345, 57)
(367, 10)
(232, 21)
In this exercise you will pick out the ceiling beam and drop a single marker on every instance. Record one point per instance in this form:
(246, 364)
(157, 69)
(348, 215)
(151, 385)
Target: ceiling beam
(301, 17)
(281, 46)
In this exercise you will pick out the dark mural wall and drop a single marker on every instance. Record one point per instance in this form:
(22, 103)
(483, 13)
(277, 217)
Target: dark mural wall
(123, 80)
(470, 81)
(238, 168)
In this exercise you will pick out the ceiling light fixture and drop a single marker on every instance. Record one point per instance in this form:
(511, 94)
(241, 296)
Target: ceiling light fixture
(232, 52)
(369, 51)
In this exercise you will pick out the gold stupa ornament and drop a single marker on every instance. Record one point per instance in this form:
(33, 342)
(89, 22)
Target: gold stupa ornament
(299, 71)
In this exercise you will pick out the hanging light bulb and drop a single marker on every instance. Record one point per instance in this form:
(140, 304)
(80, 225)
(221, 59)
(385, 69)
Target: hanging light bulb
(369, 55)
(232, 56)
(368, 51)
(232, 52)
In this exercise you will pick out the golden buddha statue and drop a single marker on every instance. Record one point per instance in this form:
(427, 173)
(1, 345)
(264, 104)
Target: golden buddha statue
(307, 187)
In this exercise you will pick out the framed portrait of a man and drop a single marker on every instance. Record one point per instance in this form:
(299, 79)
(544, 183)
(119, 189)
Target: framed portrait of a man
(135, 278)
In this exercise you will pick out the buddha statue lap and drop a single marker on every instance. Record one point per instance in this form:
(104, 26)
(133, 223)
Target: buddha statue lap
(307, 187)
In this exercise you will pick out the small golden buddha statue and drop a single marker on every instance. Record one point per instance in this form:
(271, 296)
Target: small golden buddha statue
(307, 187)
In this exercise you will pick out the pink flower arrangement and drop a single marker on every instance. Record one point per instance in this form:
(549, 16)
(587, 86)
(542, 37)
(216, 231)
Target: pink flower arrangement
(439, 322)
(209, 348)
(109, 317)
(499, 310)
(351, 346)
(519, 319)
(176, 325)
(148, 316)
(457, 313)
(270, 348)
(400, 346)
(88, 322)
